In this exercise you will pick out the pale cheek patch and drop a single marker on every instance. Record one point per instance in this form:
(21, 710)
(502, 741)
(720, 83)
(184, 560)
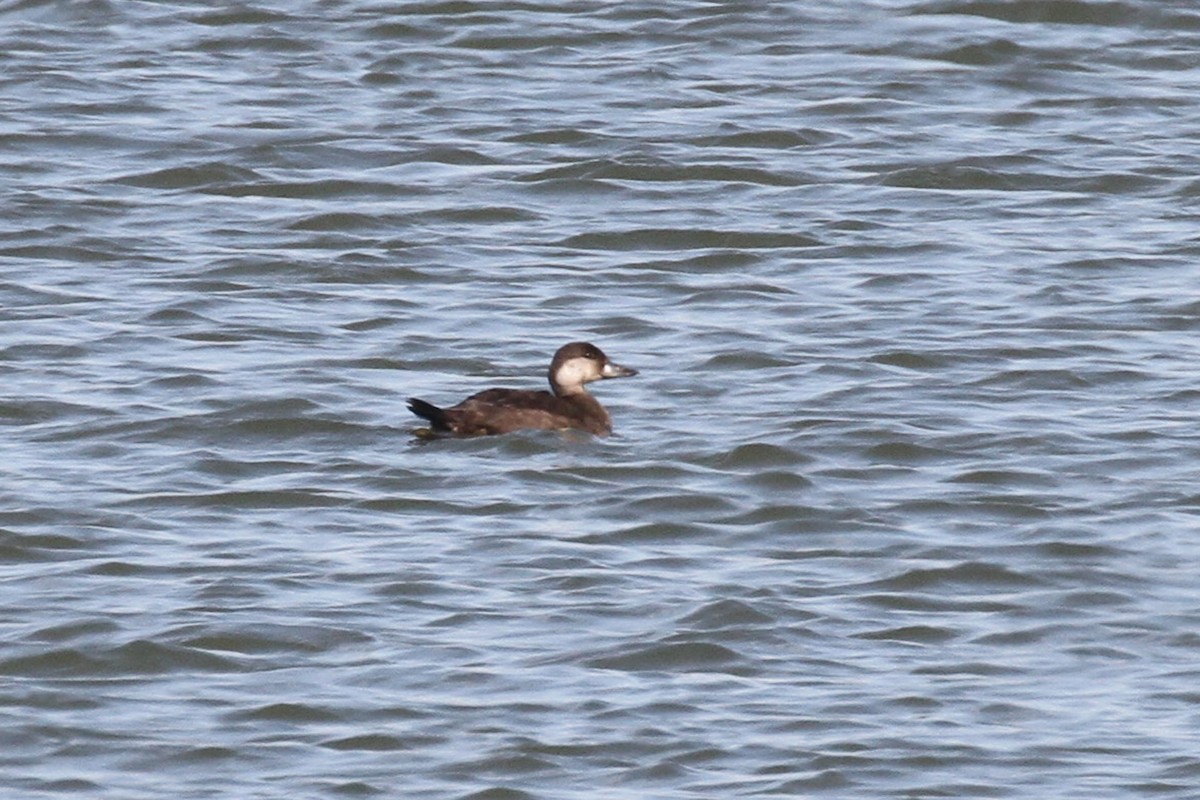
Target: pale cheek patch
(577, 371)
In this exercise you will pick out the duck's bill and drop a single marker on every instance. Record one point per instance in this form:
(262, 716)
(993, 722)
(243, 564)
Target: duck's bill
(612, 370)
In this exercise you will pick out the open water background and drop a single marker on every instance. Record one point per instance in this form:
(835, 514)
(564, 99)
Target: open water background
(904, 504)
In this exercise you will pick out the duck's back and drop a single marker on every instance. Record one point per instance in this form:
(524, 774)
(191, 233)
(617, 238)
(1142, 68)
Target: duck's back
(506, 410)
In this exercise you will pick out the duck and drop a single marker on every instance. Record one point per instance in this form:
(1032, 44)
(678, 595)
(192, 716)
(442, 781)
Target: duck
(567, 406)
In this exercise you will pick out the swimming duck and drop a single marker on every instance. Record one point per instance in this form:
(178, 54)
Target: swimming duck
(505, 410)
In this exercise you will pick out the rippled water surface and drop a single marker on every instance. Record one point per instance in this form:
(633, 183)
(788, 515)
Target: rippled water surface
(903, 504)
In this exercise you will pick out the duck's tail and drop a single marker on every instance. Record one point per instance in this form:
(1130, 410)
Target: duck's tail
(427, 411)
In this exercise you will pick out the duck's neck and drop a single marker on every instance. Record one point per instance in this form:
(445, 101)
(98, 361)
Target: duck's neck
(572, 390)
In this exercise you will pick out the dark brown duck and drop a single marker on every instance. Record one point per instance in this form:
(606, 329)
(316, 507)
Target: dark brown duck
(505, 410)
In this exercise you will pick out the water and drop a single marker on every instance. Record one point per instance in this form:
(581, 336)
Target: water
(903, 503)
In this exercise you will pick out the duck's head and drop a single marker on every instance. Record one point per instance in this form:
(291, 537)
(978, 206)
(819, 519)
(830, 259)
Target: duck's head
(578, 363)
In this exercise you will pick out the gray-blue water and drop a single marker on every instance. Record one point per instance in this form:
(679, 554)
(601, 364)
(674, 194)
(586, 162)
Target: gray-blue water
(904, 503)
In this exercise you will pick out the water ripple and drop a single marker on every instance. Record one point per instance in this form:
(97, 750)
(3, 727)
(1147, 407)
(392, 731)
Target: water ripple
(900, 503)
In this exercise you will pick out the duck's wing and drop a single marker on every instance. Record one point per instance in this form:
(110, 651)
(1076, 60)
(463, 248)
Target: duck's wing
(505, 410)
(514, 398)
